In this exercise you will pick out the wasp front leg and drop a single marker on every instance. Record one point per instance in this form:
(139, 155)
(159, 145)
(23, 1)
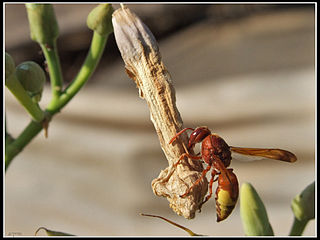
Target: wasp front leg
(187, 155)
(179, 133)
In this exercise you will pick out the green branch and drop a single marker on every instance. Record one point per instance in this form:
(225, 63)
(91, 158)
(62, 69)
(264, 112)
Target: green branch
(96, 50)
(15, 87)
(44, 30)
(298, 227)
(51, 54)
(93, 57)
(21, 141)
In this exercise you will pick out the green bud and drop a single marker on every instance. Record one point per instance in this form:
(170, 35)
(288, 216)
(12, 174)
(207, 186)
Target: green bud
(253, 213)
(32, 78)
(303, 204)
(43, 24)
(10, 66)
(100, 19)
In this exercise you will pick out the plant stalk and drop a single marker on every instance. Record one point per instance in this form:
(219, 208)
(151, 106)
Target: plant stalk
(25, 100)
(50, 52)
(298, 227)
(21, 141)
(57, 103)
(96, 50)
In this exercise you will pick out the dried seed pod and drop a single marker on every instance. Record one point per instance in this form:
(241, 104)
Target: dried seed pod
(140, 52)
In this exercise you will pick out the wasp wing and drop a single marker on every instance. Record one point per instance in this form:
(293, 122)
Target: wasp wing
(252, 154)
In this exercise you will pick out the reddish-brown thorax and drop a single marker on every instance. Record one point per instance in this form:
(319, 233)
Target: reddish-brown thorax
(212, 145)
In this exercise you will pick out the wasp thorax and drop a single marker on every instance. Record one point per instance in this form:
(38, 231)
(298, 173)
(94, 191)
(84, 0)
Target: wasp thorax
(221, 149)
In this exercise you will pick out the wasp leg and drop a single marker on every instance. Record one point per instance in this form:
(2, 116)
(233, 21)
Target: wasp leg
(204, 172)
(213, 174)
(179, 133)
(187, 155)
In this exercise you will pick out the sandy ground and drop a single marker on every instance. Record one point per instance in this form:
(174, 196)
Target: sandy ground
(252, 81)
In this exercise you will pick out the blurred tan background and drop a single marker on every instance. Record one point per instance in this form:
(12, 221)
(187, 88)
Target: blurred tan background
(245, 71)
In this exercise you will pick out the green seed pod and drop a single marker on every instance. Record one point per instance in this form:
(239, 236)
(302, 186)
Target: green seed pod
(10, 66)
(43, 24)
(99, 19)
(253, 213)
(32, 78)
(303, 204)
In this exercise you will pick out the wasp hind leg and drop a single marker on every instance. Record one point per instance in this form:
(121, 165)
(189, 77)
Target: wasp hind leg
(213, 174)
(204, 172)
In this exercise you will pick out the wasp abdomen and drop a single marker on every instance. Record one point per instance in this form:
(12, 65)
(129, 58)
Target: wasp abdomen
(226, 194)
(224, 204)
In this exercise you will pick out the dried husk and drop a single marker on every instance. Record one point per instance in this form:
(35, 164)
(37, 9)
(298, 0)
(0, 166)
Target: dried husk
(142, 58)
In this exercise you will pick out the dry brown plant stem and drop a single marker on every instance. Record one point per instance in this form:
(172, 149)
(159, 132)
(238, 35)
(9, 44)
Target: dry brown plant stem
(143, 64)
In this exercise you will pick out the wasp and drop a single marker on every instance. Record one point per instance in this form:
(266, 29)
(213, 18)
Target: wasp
(216, 153)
